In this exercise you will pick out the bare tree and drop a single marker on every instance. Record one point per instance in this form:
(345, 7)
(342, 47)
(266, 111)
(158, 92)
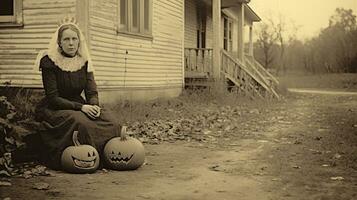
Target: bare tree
(273, 39)
(280, 29)
(267, 38)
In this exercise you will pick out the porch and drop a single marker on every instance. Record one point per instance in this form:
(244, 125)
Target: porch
(216, 48)
(249, 77)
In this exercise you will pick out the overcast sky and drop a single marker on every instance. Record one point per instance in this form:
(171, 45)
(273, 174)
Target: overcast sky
(309, 15)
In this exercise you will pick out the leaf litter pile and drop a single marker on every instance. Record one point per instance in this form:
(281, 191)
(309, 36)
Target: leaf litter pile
(184, 119)
(179, 119)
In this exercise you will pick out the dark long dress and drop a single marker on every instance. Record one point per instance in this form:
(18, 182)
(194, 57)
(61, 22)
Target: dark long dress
(60, 111)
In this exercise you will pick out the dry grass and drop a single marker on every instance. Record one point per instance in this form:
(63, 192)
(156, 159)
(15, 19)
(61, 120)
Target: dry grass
(188, 104)
(325, 81)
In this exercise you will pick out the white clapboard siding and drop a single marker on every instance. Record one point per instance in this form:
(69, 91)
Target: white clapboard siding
(19, 46)
(150, 62)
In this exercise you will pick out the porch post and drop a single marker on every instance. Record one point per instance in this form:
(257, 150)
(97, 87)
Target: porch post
(251, 53)
(241, 32)
(216, 23)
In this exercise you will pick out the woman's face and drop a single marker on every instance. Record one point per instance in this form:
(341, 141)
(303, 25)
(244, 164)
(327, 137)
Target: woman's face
(69, 42)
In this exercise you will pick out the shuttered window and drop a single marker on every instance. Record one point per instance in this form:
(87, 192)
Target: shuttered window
(135, 17)
(227, 34)
(11, 12)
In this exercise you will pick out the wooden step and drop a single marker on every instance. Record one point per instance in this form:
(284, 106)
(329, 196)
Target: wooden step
(193, 74)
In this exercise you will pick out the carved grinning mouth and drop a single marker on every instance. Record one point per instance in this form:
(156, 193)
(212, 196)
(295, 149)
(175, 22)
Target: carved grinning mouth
(119, 159)
(83, 163)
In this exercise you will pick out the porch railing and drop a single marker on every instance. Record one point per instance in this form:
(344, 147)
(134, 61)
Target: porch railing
(198, 60)
(243, 78)
(260, 69)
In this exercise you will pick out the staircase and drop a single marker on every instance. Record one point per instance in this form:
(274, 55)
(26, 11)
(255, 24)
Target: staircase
(249, 78)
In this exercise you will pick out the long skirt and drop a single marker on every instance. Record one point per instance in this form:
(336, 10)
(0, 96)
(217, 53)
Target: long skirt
(59, 126)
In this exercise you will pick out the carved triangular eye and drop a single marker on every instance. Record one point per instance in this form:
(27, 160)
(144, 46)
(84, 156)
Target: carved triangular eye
(93, 153)
(88, 154)
(112, 152)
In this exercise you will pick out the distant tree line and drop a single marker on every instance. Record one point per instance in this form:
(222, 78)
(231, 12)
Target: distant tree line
(333, 50)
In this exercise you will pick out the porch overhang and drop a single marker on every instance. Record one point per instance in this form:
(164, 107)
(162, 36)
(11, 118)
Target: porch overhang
(233, 3)
(250, 14)
(227, 3)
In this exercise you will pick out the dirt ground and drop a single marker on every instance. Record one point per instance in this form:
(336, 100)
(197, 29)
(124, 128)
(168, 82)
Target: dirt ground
(304, 147)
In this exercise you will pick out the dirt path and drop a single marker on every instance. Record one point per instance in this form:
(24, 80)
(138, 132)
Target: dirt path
(303, 148)
(319, 91)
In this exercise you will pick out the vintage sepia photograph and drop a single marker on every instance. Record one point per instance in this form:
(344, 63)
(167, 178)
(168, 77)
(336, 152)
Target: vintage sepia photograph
(178, 99)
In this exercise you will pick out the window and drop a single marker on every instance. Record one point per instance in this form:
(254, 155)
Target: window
(201, 26)
(11, 12)
(135, 17)
(227, 34)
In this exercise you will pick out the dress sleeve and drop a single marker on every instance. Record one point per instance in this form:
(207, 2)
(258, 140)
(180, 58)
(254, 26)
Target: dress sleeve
(91, 90)
(51, 91)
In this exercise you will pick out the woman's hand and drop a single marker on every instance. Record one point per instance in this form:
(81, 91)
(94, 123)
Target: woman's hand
(92, 111)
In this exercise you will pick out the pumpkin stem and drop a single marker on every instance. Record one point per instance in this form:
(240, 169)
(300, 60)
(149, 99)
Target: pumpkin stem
(75, 138)
(123, 133)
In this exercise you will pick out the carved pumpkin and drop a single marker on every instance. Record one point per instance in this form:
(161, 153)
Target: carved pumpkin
(79, 158)
(124, 153)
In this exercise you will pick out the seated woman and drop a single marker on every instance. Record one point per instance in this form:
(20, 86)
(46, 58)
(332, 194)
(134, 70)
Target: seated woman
(66, 72)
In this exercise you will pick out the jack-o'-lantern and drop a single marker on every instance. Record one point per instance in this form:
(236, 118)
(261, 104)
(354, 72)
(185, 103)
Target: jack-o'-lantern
(79, 158)
(124, 153)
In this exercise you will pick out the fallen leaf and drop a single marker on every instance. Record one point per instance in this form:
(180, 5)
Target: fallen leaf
(337, 156)
(54, 192)
(41, 186)
(337, 178)
(297, 142)
(5, 183)
(216, 168)
(254, 111)
(318, 138)
(144, 196)
(3, 172)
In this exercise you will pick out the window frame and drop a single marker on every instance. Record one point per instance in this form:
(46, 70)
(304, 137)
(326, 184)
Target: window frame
(128, 27)
(14, 20)
(227, 33)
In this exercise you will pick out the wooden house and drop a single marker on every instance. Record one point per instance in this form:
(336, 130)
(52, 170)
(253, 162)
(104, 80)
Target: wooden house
(141, 49)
